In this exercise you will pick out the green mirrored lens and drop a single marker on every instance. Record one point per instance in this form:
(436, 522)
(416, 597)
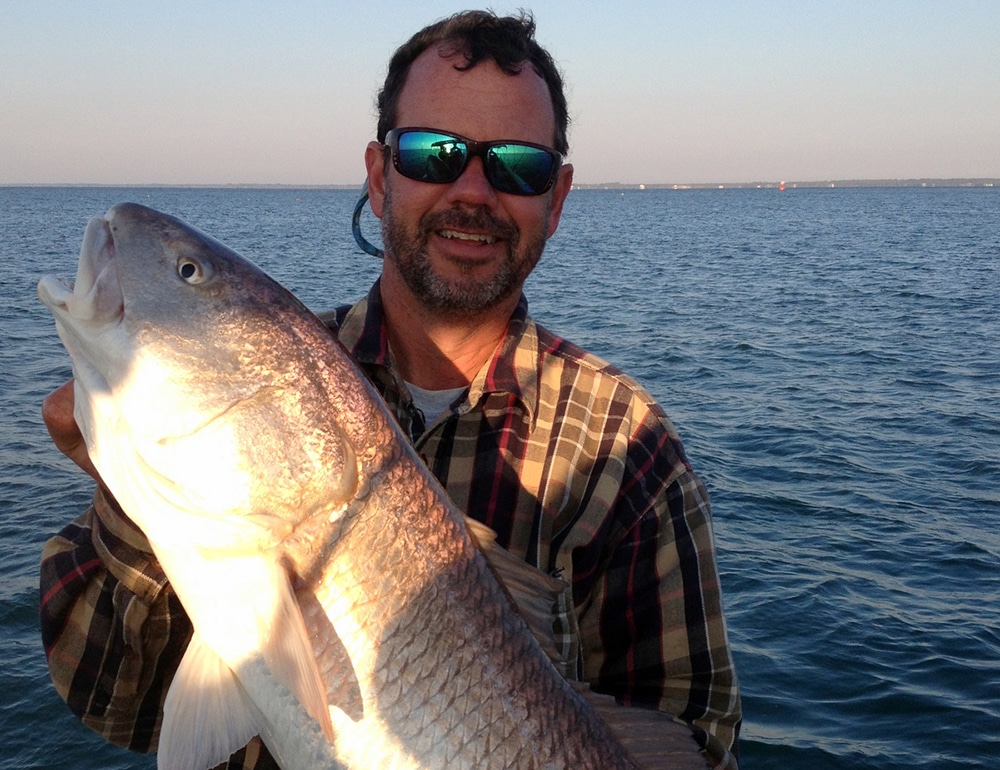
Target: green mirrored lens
(430, 157)
(519, 169)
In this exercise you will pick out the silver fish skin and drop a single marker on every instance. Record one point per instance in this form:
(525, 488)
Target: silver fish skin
(341, 609)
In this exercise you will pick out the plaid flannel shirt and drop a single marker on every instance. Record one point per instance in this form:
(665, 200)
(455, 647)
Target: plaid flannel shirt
(574, 466)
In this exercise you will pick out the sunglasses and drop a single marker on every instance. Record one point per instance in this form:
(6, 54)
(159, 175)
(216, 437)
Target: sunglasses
(429, 155)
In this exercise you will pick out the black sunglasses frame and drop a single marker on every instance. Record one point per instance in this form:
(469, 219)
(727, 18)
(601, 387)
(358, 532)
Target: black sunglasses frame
(475, 149)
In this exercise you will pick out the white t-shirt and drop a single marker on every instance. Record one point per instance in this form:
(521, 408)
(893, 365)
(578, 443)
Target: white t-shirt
(433, 403)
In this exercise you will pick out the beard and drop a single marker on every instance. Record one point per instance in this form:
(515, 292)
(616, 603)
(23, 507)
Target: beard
(466, 295)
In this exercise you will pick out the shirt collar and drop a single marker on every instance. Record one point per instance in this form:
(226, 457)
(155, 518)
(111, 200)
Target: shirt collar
(512, 369)
(362, 330)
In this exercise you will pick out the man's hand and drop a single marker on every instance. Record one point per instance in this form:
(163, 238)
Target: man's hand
(57, 412)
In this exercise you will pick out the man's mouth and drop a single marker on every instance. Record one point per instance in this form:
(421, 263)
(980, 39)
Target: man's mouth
(460, 236)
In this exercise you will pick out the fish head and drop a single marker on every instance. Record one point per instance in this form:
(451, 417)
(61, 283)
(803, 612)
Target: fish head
(193, 374)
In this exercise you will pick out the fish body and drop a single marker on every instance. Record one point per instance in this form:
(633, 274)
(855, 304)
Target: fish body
(340, 607)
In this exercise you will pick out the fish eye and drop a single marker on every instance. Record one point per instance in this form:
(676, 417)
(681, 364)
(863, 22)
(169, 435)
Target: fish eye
(191, 271)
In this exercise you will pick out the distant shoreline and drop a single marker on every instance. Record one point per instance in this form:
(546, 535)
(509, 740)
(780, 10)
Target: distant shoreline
(771, 185)
(980, 182)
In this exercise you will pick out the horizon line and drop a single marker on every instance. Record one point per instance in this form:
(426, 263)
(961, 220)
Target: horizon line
(770, 184)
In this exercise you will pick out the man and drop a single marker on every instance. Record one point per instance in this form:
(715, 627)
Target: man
(573, 465)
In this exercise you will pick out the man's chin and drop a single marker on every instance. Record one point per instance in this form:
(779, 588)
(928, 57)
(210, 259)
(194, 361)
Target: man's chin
(464, 297)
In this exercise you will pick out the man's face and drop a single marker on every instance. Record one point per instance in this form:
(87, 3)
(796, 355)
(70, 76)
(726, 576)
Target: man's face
(464, 248)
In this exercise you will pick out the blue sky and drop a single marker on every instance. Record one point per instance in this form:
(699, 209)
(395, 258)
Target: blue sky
(670, 92)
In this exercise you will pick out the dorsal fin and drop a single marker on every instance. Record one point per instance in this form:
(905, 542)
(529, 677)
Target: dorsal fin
(533, 593)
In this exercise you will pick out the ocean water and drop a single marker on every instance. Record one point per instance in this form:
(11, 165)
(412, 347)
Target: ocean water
(831, 358)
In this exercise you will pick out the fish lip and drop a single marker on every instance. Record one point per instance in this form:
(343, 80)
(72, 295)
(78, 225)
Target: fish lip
(95, 295)
(54, 292)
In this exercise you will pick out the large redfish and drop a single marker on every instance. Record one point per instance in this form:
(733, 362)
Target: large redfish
(341, 609)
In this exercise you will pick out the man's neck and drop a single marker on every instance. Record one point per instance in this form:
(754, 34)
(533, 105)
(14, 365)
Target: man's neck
(434, 351)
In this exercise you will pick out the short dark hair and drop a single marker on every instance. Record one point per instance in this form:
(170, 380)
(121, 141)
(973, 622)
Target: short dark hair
(476, 36)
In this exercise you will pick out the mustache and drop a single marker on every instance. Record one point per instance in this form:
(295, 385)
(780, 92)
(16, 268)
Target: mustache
(478, 219)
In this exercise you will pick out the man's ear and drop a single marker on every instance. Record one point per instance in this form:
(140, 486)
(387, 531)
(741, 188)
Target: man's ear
(559, 192)
(375, 163)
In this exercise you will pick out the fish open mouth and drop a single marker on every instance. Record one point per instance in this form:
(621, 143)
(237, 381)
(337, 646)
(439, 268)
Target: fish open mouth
(96, 294)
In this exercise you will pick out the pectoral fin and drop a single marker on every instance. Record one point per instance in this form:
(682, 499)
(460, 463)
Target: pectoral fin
(288, 653)
(250, 650)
